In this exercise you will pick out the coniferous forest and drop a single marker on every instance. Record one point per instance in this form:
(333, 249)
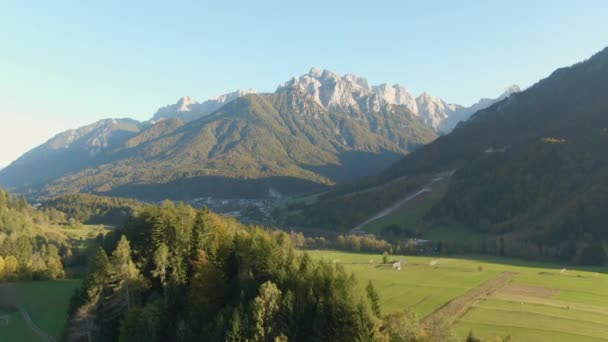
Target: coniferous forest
(179, 274)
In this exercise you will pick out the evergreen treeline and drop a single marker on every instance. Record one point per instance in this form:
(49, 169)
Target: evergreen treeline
(179, 274)
(93, 209)
(29, 249)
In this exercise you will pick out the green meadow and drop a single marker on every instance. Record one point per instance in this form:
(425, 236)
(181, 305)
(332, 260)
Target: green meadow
(45, 301)
(15, 328)
(542, 302)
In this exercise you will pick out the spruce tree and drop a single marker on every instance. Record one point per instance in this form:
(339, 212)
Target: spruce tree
(374, 299)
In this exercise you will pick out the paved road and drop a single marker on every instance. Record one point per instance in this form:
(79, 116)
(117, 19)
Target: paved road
(401, 202)
(28, 320)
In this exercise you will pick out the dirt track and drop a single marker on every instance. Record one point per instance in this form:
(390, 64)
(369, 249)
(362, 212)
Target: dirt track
(28, 320)
(458, 306)
(9, 300)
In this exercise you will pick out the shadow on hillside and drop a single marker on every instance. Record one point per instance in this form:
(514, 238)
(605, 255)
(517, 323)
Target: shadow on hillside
(218, 187)
(355, 164)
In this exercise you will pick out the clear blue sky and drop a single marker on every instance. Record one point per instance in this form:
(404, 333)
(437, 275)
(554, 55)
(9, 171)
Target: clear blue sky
(65, 64)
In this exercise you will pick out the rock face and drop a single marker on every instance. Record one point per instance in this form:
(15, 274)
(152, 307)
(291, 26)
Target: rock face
(397, 95)
(353, 92)
(434, 110)
(188, 109)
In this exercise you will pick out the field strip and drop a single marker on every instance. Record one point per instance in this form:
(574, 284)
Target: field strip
(551, 303)
(34, 327)
(603, 321)
(458, 306)
(538, 329)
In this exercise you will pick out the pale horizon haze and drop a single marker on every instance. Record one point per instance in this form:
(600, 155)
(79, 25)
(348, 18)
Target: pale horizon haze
(65, 64)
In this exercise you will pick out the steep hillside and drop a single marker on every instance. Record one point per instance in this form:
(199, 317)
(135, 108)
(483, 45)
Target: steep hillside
(530, 168)
(68, 152)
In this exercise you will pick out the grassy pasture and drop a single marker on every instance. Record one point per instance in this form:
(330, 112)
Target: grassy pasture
(45, 301)
(85, 232)
(541, 303)
(15, 329)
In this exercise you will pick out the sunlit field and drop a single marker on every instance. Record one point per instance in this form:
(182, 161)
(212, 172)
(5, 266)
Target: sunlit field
(542, 302)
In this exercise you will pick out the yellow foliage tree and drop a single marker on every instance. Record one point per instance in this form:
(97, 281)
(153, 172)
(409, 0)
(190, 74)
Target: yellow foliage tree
(11, 264)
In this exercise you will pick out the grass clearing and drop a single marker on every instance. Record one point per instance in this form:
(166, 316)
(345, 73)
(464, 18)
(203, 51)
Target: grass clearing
(85, 232)
(410, 215)
(539, 304)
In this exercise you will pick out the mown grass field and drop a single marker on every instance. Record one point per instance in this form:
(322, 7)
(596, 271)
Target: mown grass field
(541, 303)
(47, 304)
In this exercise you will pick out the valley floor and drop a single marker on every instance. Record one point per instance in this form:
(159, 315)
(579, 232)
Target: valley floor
(494, 297)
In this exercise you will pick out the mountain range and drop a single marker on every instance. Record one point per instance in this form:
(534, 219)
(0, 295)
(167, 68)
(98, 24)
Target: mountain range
(314, 131)
(332, 91)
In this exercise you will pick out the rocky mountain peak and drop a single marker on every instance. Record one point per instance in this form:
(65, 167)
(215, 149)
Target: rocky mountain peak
(396, 95)
(510, 90)
(188, 109)
(315, 72)
(357, 81)
(353, 92)
(183, 105)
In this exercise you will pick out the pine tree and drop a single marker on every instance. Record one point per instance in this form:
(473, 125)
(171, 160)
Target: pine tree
(265, 309)
(87, 302)
(123, 271)
(122, 286)
(161, 261)
(197, 233)
(374, 299)
(235, 333)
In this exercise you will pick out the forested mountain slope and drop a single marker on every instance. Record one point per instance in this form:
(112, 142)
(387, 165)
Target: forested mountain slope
(283, 140)
(532, 167)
